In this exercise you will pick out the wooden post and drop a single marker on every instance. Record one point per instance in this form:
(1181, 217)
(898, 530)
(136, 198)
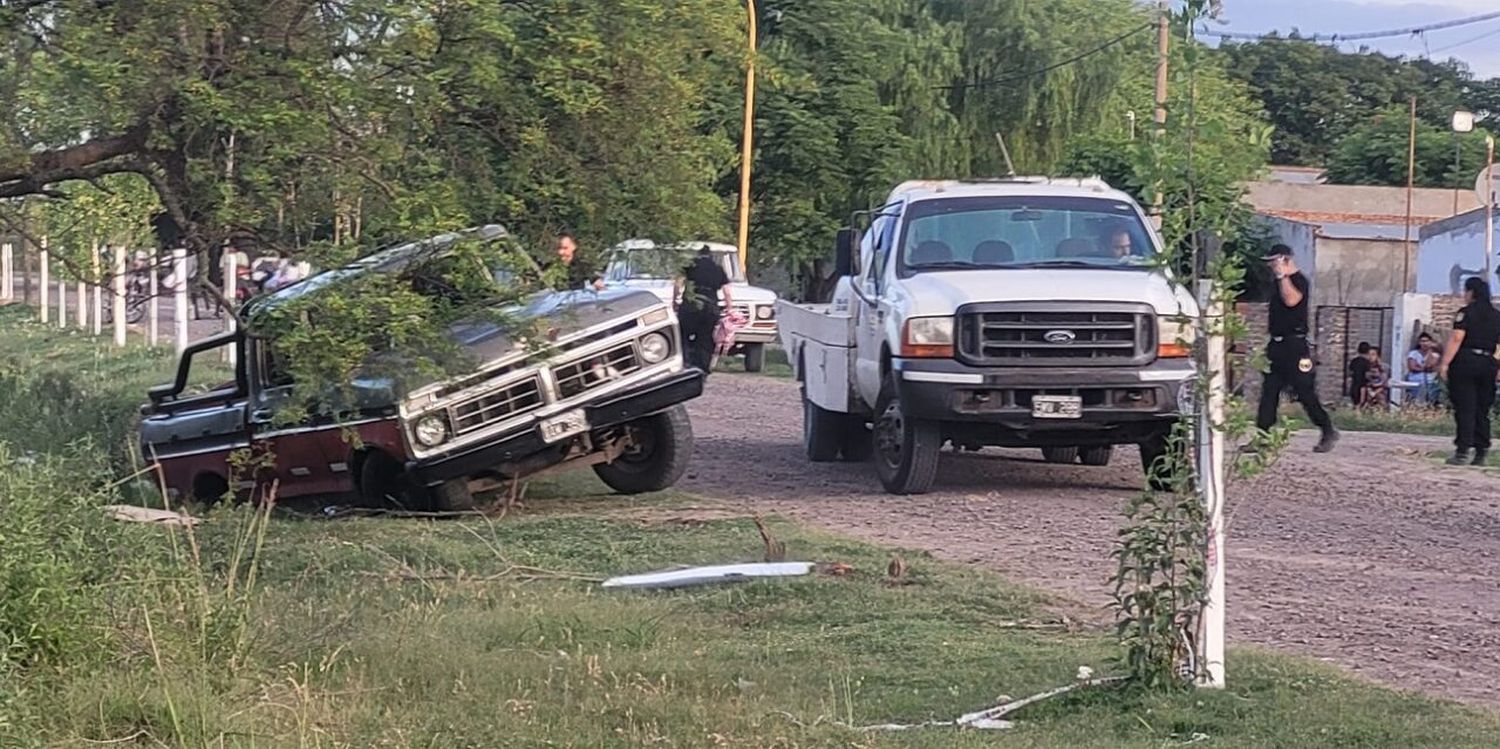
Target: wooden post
(62, 301)
(746, 139)
(180, 295)
(7, 272)
(1163, 49)
(45, 313)
(1411, 180)
(1211, 480)
(97, 311)
(152, 324)
(118, 306)
(83, 302)
(231, 278)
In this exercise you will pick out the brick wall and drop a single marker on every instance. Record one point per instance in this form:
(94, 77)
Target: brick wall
(1444, 307)
(1256, 316)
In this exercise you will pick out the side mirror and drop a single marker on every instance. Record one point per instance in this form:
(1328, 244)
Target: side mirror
(844, 248)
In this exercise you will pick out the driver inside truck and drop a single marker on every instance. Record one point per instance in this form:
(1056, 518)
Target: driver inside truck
(1119, 244)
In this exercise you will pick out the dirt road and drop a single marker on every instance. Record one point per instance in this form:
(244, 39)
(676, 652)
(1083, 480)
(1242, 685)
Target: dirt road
(1371, 557)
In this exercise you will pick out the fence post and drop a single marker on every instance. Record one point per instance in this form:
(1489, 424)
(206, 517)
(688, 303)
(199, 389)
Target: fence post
(45, 313)
(97, 310)
(83, 303)
(231, 279)
(118, 284)
(151, 321)
(62, 301)
(7, 272)
(1211, 480)
(180, 295)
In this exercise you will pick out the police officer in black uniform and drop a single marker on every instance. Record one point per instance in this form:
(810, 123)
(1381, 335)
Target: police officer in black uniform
(1290, 357)
(1469, 367)
(703, 280)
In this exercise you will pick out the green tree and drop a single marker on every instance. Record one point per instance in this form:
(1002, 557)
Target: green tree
(1376, 152)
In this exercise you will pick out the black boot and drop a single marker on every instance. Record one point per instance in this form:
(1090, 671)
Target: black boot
(1460, 458)
(1480, 456)
(1330, 438)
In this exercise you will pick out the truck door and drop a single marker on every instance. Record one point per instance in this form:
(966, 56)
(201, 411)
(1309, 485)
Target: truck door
(870, 303)
(307, 454)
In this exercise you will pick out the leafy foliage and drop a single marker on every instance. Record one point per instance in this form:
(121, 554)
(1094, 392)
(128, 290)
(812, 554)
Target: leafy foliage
(1376, 153)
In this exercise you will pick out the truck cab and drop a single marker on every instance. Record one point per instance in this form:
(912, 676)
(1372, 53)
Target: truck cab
(643, 264)
(1024, 312)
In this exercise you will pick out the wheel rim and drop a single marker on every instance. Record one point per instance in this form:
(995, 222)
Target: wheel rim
(642, 447)
(890, 435)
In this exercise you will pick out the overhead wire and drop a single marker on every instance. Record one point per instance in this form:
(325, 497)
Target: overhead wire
(1354, 36)
(1014, 76)
(1470, 40)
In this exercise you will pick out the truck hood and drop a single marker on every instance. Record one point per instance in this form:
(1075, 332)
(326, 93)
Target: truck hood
(943, 293)
(742, 292)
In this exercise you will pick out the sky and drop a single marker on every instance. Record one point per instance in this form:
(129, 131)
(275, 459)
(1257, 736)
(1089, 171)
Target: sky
(1476, 44)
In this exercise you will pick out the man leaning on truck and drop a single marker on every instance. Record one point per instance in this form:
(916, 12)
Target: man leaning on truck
(698, 307)
(1290, 357)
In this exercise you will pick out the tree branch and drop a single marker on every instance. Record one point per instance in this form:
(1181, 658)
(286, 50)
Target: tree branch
(85, 161)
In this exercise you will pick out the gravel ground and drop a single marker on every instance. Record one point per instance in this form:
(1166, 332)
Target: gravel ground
(1373, 557)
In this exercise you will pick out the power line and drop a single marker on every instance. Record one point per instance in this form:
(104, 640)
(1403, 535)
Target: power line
(1356, 36)
(1470, 40)
(1022, 75)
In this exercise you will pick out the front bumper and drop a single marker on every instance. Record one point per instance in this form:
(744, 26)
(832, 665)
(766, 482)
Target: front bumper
(526, 441)
(1114, 398)
(754, 335)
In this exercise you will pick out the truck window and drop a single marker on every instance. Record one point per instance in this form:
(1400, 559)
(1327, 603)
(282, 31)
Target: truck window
(273, 369)
(1022, 231)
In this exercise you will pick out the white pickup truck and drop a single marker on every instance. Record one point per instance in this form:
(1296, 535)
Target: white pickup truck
(643, 264)
(1022, 312)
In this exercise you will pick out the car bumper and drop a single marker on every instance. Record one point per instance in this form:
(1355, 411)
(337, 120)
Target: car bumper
(527, 441)
(755, 335)
(949, 391)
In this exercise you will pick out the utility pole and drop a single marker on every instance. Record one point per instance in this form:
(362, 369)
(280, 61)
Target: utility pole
(1411, 181)
(1489, 208)
(746, 141)
(1163, 40)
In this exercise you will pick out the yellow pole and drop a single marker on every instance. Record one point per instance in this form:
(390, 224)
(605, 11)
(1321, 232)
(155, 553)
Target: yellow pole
(745, 144)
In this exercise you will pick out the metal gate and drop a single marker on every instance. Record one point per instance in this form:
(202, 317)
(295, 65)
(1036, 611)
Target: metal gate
(1340, 331)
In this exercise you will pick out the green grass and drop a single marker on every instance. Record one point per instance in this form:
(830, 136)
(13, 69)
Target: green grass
(1421, 421)
(776, 364)
(300, 631)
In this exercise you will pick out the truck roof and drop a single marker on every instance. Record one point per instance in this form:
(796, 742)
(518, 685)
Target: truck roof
(919, 189)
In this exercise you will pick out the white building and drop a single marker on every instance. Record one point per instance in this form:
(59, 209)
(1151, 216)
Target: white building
(1451, 250)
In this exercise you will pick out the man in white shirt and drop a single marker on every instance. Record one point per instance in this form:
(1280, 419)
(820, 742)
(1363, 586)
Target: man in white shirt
(1421, 368)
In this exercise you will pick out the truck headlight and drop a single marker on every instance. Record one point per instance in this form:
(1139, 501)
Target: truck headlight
(1174, 336)
(655, 348)
(927, 338)
(431, 430)
(765, 312)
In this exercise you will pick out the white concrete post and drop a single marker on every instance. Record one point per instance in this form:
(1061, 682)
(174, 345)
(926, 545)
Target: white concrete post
(231, 278)
(83, 303)
(96, 317)
(46, 309)
(152, 324)
(7, 275)
(119, 300)
(62, 301)
(1211, 481)
(180, 295)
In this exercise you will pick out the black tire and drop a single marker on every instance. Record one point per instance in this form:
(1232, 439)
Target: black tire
(755, 357)
(1158, 478)
(1096, 456)
(858, 443)
(209, 489)
(822, 431)
(450, 496)
(383, 484)
(135, 311)
(664, 447)
(1064, 455)
(906, 449)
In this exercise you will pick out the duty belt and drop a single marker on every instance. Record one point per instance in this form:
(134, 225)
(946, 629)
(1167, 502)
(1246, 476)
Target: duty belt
(1280, 338)
(1480, 351)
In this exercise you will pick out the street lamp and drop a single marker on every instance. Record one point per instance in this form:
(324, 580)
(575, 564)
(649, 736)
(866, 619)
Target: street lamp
(746, 141)
(1463, 122)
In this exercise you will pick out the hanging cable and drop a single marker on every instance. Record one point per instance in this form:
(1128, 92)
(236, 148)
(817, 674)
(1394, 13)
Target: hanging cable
(1352, 37)
(1022, 75)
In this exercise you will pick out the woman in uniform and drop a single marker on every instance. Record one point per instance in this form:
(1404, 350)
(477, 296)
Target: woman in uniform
(1469, 368)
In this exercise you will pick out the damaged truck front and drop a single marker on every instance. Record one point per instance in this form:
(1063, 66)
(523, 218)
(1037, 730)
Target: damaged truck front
(604, 389)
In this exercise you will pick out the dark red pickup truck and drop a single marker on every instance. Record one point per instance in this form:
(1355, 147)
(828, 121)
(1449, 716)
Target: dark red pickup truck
(607, 393)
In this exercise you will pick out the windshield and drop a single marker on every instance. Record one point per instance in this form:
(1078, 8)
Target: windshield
(665, 264)
(1023, 231)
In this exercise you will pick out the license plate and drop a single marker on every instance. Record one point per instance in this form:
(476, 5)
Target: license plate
(1057, 407)
(564, 426)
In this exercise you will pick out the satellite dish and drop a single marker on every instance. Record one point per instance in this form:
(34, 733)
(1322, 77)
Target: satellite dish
(1494, 182)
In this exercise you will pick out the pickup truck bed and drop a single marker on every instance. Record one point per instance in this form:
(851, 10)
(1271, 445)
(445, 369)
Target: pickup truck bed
(823, 339)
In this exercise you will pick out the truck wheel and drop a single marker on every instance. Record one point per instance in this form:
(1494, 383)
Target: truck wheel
(1064, 455)
(822, 431)
(659, 457)
(755, 357)
(1158, 474)
(450, 496)
(858, 444)
(383, 483)
(906, 449)
(1096, 456)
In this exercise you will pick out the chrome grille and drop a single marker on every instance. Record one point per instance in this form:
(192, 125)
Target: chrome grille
(579, 377)
(497, 406)
(1008, 336)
